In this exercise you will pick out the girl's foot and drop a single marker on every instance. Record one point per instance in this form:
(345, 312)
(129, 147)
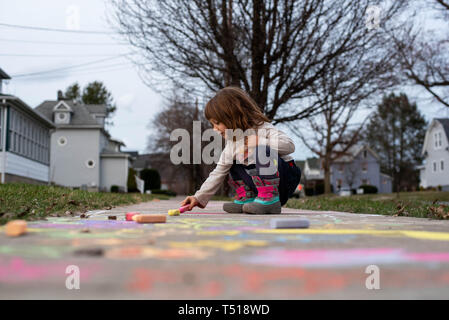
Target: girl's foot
(267, 201)
(244, 195)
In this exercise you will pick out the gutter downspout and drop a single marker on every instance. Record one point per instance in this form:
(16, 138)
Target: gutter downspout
(3, 137)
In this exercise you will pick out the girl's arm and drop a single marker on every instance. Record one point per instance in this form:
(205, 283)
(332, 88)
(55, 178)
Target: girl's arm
(214, 181)
(277, 140)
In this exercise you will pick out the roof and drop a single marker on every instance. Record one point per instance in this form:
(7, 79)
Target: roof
(445, 123)
(96, 108)
(353, 151)
(113, 154)
(4, 75)
(314, 163)
(81, 113)
(26, 108)
(300, 164)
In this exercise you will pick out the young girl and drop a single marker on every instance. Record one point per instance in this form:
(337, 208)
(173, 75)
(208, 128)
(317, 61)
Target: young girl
(257, 191)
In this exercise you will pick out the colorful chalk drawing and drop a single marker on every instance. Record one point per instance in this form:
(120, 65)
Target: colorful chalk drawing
(142, 252)
(219, 244)
(217, 256)
(341, 258)
(329, 238)
(18, 270)
(422, 235)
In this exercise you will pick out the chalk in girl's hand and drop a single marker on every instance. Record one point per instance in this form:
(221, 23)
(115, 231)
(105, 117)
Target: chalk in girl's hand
(184, 208)
(293, 223)
(150, 218)
(177, 212)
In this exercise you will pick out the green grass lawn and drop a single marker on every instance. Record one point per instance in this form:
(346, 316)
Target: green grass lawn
(424, 204)
(33, 202)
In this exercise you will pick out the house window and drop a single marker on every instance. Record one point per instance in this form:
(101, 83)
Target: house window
(340, 168)
(90, 163)
(62, 141)
(339, 183)
(365, 167)
(62, 116)
(434, 166)
(442, 165)
(365, 154)
(437, 140)
(365, 181)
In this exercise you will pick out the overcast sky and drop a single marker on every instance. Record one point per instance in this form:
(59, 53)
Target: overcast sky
(24, 51)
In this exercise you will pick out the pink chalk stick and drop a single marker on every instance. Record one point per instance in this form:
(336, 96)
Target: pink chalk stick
(184, 208)
(129, 215)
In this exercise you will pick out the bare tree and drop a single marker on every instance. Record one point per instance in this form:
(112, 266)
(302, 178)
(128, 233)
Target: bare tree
(179, 112)
(349, 84)
(278, 51)
(424, 56)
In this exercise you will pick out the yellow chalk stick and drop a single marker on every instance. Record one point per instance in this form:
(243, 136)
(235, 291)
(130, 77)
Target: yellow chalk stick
(16, 228)
(174, 212)
(150, 218)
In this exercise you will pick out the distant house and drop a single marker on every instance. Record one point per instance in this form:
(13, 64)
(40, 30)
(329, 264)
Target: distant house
(360, 166)
(83, 154)
(435, 170)
(311, 173)
(24, 141)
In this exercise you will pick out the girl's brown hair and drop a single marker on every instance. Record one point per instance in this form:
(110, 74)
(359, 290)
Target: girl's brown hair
(234, 108)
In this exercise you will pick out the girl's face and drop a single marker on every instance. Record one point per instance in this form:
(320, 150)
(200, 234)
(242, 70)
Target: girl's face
(218, 127)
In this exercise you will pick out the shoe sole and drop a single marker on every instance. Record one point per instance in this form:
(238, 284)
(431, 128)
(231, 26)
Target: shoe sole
(254, 208)
(233, 208)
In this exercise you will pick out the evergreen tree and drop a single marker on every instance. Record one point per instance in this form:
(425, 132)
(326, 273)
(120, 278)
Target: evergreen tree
(94, 93)
(396, 132)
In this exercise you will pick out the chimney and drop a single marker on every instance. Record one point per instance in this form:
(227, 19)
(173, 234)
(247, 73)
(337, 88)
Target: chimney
(3, 76)
(60, 95)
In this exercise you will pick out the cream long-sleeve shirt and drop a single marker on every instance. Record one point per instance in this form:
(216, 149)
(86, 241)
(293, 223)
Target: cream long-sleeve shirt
(267, 135)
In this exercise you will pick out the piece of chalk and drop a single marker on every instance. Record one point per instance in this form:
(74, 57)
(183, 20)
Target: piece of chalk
(150, 218)
(174, 212)
(284, 223)
(16, 228)
(129, 215)
(184, 208)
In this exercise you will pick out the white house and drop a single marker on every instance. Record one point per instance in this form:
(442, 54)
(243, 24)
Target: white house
(24, 141)
(82, 152)
(435, 170)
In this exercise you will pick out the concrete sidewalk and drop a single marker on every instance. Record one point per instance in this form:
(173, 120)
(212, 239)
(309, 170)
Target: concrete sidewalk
(209, 254)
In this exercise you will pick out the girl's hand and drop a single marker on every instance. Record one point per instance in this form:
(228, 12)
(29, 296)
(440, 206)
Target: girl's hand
(191, 201)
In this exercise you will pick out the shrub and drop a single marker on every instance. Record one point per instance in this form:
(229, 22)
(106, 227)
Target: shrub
(308, 191)
(114, 189)
(132, 186)
(152, 179)
(368, 189)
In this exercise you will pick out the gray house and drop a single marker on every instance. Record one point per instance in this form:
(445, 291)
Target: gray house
(83, 154)
(24, 141)
(360, 166)
(435, 170)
